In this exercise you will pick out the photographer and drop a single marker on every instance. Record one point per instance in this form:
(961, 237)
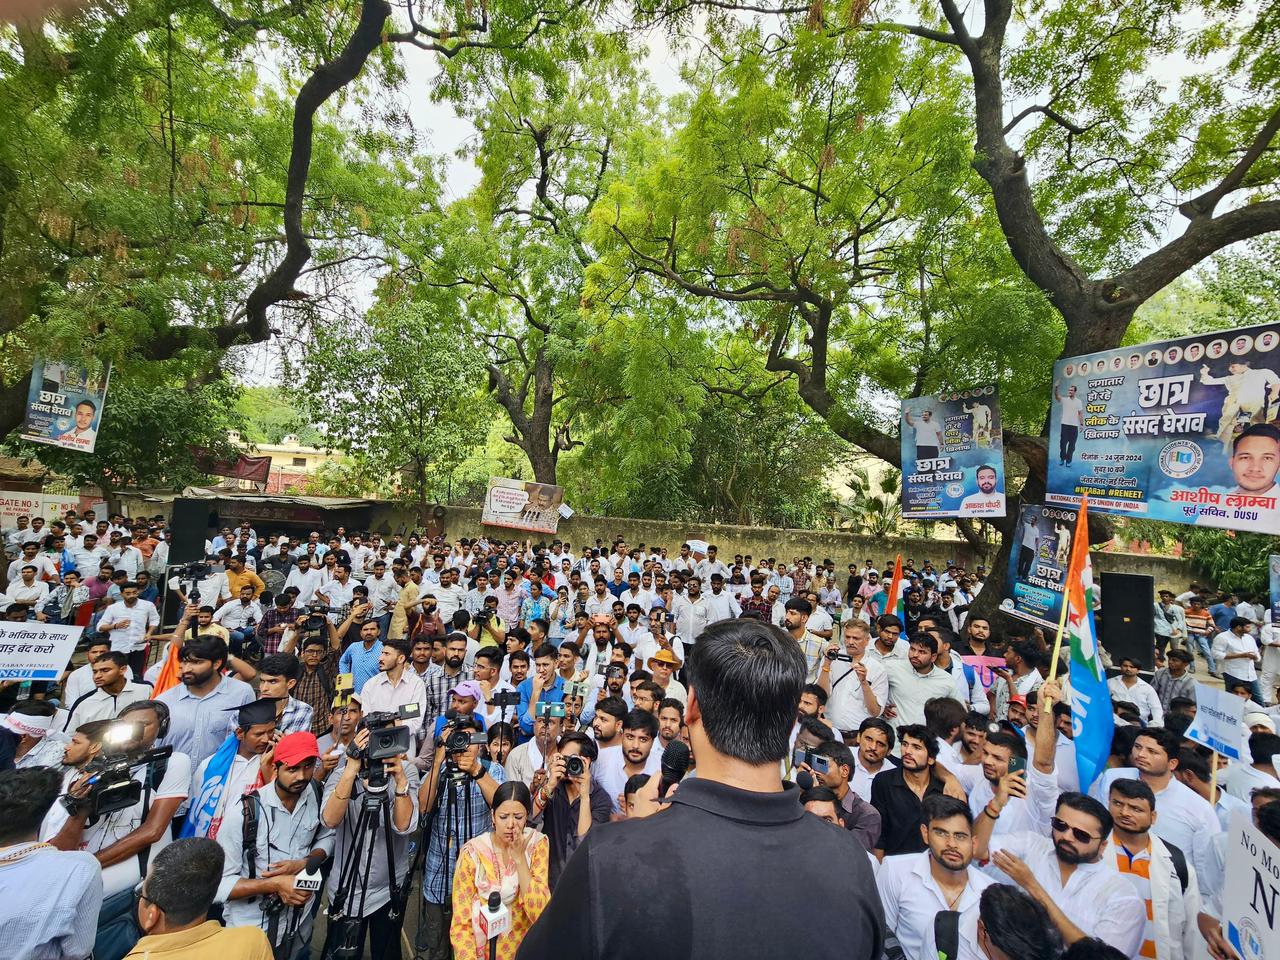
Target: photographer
(570, 800)
(268, 839)
(456, 793)
(51, 898)
(511, 860)
(487, 628)
(240, 618)
(344, 802)
(123, 840)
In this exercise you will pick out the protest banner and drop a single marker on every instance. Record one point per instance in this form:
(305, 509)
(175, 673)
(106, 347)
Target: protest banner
(1273, 565)
(952, 455)
(1251, 891)
(1034, 586)
(522, 505)
(64, 404)
(1217, 721)
(1182, 430)
(36, 651)
(985, 668)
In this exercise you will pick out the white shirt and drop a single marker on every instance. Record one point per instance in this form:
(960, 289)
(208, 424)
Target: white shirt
(928, 433)
(307, 584)
(141, 616)
(691, 617)
(233, 614)
(44, 568)
(609, 771)
(383, 593)
(129, 560)
(910, 690)
(720, 606)
(1090, 887)
(449, 600)
(1070, 409)
(1242, 668)
(912, 899)
(846, 706)
(19, 592)
(1029, 814)
(860, 782)
(1242, 779)
(379, 693)
(1142, 695)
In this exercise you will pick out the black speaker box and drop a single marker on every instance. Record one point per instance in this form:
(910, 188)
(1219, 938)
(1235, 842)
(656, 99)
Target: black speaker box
(190, 525)
(1128, 618)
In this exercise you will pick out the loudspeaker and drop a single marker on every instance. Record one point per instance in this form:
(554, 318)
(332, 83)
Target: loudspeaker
(1128, 617)
(190, 525)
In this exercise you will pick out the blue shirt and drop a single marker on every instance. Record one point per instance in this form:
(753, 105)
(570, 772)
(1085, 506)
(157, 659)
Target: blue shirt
(49, 903)
(553, 694)
(361, 663)
(198, 725)
(1222, 614)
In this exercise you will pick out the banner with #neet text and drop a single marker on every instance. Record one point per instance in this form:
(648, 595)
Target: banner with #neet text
(952, 455)
(1184, 430)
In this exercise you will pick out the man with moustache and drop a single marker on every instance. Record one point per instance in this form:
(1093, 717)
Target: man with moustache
(199, 720)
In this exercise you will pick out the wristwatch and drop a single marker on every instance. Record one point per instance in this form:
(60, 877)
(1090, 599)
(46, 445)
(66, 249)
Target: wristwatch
(404, 792)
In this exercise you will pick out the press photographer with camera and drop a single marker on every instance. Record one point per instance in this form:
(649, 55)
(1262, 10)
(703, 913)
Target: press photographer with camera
(456, 796)
(270, 837)
(570, 800)
(508, 862)
(372, 804)
(487, 628)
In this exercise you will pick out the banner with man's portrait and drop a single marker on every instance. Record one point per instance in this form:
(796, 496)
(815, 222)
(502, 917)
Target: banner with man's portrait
(522, 505)
(1186, 430)
(64, 404)
(952, 455)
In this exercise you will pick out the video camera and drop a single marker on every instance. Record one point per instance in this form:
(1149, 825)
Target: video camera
(316, 613)
(112, 785)
(837, 655)
(387, 739)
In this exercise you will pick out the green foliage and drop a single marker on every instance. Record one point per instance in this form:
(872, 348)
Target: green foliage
(387, 395)
(873, 508)
(269, 417)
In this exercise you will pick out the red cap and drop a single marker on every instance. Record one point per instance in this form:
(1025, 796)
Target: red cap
(293, 748)
(1015, 698)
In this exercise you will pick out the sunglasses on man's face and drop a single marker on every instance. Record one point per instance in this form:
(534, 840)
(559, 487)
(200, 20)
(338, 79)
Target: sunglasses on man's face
(1061, 826)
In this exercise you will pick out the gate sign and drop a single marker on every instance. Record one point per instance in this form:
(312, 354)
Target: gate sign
(36, 651)
(1185, 430)
(1251, 895)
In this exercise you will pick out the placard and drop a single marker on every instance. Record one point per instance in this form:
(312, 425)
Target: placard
(64, 404)
(985, 668)
(1251, 894)
(1034, 584)
(522, 505)
(1273, 565)
(15, 504)
(1217, 721)
(1182, 430)
(952, 455)
(36, 651)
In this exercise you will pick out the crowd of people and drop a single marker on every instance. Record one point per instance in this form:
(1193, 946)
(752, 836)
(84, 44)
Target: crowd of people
(353, 721)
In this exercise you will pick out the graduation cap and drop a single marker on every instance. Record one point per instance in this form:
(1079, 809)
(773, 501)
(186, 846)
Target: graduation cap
(253, 713)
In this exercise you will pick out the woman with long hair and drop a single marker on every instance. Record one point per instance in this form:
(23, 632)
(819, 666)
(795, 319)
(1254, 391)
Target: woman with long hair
(510, 859)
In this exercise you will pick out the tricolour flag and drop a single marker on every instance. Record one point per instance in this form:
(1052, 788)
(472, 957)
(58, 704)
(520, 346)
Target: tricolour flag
(1091, 717)
(894, 602)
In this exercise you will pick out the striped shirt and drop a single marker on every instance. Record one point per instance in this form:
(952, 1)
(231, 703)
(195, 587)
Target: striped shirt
(1137, 867)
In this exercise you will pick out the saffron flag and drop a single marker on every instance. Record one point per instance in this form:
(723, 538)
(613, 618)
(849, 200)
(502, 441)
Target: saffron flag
(168, 676)
(894, 602)
(1091, 718)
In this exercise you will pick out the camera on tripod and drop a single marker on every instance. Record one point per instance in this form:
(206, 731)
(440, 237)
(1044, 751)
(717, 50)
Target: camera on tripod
(112, 785)
(194, 572)
(315, 617)
(386, 740)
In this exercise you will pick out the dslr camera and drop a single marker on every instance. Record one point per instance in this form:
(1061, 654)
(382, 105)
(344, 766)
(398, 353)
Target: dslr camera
(837, 655)
(112, 785)
(574, 766)
(315, 617)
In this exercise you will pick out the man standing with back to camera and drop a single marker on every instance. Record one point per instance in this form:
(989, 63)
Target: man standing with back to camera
(721, 829)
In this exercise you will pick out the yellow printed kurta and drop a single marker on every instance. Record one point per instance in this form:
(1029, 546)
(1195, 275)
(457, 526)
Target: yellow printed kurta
(477, 858)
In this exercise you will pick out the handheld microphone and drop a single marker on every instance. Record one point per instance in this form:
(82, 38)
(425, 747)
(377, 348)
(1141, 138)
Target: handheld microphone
(491, 920)
(675, 764)
(309, 878)
(804, 780)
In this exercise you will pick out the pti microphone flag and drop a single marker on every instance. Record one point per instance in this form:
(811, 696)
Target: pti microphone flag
(1091, 718)
(893, 601)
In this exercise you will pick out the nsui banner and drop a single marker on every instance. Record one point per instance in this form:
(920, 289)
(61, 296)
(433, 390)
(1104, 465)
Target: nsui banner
(64, 404)
(1251, 895)
(522, 505)
(1035, 584)
(1184, 430)
(952, 455)
(36, 651)
(1217, 724)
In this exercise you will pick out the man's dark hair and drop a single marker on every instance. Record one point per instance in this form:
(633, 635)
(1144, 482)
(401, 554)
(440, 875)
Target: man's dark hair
(1166, 740)
(816, 728)
(588, 746)
(878, 723)
(1181, 705)
(819, 795)
(918, 731)
(651, 688)
(546, 651)
(941, 807)
(1017, 925)
(638, 719)
(747, 678)
(1003, 738)
(25, 797)
(838, 752)
(1089, 806)
(184, 879)
(615, 707)
(1267, 817)
(888, 620)
(402, 647)
(1263, 746)
(818, 693)
(943, 716)
(1134, 790)
(1122, 742)
(799, 604)
(1270, 431)
(518, 656)
(492, 656)
(975, 720)
(314, 642)
(205, 647)
(280, 665)
(120, 660)
(1028, 650)
(1191, 761)
(1092, 948)
(925, 640)
(670, 703)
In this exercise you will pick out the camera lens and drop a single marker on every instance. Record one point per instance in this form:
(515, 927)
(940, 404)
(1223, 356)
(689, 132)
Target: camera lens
(573, 766)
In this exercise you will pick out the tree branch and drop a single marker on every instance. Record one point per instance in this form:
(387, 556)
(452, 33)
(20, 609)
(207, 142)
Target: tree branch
(1205, 203)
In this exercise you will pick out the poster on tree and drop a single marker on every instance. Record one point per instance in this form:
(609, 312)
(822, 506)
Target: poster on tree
(952, 455)
(1185, 430)
(1036, 581)
(64, 404)
(522, 505)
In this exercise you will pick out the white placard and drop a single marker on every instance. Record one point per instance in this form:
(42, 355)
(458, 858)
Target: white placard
(36, 651)
(1217, 722)
(1251, 896)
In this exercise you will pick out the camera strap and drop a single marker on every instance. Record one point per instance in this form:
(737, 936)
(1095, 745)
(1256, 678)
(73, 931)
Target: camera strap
(144, 855)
